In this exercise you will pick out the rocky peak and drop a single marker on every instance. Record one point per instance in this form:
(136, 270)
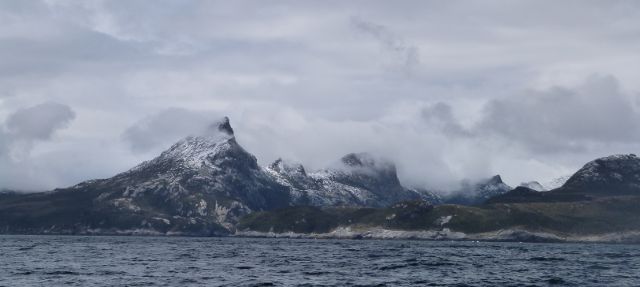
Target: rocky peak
(493, 183)
(213, 148)
(224, 126)
(365, 160)
(472, 193)
(285, 167)
(494, 180)
(356, 159)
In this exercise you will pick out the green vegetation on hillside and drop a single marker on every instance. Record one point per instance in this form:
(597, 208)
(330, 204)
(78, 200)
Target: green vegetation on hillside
(603, 215)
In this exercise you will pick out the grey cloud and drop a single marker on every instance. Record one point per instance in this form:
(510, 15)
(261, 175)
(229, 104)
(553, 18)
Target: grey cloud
(441, 116)
(4, 146)
(38, 122)
(409, 55)
(25, 127)
(166, 127)
(561, 118)
(21, 131)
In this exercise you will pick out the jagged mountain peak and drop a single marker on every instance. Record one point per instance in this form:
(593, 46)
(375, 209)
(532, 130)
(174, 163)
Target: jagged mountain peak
(224, 126)
(288, 167)
(367, 161)
(357, 159)
(496, 179)
(205, 149)
(492, 181)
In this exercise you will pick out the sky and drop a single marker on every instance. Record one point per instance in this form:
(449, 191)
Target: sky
(448, 90)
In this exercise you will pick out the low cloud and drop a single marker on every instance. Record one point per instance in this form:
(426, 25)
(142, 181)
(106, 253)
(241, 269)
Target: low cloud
(565, 119)
(21, 131)
(162, 129)
(440, 115)
(25, 127)
(408, 55)
(38, 122)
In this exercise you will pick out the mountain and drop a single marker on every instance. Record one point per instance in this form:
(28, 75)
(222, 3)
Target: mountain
(428, 195)
(5, 193)
(358, 179)
(478, 192)
(202, 185)
(599, 203)
(616, 174)
(534, 185)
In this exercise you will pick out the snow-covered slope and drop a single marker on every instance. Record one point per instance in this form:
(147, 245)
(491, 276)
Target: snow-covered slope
(356, 180)
(206, 178)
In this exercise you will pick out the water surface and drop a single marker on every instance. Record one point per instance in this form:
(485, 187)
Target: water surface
(181, 261)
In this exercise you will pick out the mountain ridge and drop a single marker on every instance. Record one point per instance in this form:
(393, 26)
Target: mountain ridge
(207, 184)
(202, 185)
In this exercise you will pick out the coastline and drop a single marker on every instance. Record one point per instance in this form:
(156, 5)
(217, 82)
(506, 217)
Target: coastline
(506, 235)
(374, 233)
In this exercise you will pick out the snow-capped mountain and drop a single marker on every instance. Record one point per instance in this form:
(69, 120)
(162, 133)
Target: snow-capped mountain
(478, 192)
(203, 185)
(356, 180)
(608, 175)
(207, 178)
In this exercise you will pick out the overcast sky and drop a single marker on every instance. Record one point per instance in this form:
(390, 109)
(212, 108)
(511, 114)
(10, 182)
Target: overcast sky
(449, 90)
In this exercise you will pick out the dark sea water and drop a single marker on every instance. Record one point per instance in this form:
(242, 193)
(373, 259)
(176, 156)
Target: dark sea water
(173, 261)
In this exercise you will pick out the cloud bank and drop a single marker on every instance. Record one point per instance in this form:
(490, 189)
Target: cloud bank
(449, 90)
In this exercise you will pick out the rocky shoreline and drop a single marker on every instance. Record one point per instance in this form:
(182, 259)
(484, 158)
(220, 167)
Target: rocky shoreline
(507, 235)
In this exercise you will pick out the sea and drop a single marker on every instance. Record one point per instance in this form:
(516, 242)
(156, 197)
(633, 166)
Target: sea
(229, 261)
